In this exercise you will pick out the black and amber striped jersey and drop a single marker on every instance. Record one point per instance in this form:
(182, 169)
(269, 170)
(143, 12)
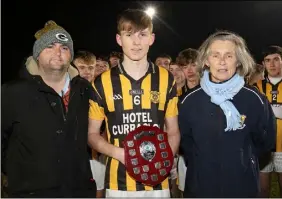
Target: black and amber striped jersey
(274, 95)
(125, 104)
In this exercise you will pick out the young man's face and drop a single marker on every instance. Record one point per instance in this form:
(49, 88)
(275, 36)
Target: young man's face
(136, 45)
(177, 73)
(101, 66)
(55, 57)
(273, 65)
(114, 61)
(86, 71)
(163, 62)
(190, 71)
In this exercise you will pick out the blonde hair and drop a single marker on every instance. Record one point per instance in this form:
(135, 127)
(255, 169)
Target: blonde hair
(245, 60)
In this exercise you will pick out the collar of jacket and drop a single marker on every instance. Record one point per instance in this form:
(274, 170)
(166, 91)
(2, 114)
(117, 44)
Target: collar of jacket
(32, 68)
(33, 73)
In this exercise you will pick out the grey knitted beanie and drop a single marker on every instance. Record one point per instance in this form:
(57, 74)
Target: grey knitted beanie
(51, 33)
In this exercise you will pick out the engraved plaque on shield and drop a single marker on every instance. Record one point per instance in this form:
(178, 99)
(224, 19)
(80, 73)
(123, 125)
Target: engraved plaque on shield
(144, 176)
(166, 163)
(147, 150)
(164, 154)
(162, 172)
(158, 165)
(132, 152)
(145, 168)
(136, 170)
(154, 177)
(160, 137)
(130, 143)
(162, 145)
(134, 161)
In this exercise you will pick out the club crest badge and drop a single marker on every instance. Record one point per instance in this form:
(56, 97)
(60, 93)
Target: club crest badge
(155, 97)
(242, 121)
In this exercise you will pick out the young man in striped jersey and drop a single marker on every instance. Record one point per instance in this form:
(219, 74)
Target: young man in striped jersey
(134, 93)
(114, 58)
(163, 60)
(271, 86)
(186, 59)
(179, 78)
(102, 65)
(85, 62)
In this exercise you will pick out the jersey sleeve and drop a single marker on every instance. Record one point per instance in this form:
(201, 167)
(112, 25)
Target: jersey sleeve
(96, 109)
(172, 109)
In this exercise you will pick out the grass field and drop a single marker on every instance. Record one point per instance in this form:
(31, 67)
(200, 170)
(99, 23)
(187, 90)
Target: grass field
(275, 192)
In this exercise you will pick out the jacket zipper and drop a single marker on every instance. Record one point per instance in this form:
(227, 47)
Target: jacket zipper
(76, 132)
(63, 110)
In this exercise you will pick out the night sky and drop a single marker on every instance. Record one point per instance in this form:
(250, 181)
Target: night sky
(178, 25)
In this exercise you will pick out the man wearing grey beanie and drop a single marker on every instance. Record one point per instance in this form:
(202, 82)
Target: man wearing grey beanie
(45, 123)
(50, 34)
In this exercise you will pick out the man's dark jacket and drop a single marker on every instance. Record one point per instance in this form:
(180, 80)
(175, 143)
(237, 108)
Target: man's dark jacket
(44, 147)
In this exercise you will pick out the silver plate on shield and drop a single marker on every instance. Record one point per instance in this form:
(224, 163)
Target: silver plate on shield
(147, 150)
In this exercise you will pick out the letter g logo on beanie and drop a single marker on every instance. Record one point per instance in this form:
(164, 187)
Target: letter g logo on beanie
(62, 37)
(51, 33)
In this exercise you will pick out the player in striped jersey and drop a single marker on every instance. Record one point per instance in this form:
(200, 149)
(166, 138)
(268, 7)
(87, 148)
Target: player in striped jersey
(186, 60)
(179, 77)
(85, 62)
(180, 80)
(271, 86)
(135, 93)
(163, 60)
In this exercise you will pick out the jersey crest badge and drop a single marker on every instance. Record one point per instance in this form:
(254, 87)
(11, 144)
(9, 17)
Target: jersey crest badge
(155, 97)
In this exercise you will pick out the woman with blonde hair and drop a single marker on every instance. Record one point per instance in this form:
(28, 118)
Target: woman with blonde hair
(224, 124)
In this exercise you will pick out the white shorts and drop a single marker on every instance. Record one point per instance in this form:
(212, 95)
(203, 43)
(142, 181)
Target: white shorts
(275, 164)
(181, 173)
(134, 194)
(98, 171)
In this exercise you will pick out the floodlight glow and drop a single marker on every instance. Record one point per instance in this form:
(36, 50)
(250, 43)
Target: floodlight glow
(150, 11)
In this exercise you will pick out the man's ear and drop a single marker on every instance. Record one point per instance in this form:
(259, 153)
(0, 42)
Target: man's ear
(118, 38)
(152, 39)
